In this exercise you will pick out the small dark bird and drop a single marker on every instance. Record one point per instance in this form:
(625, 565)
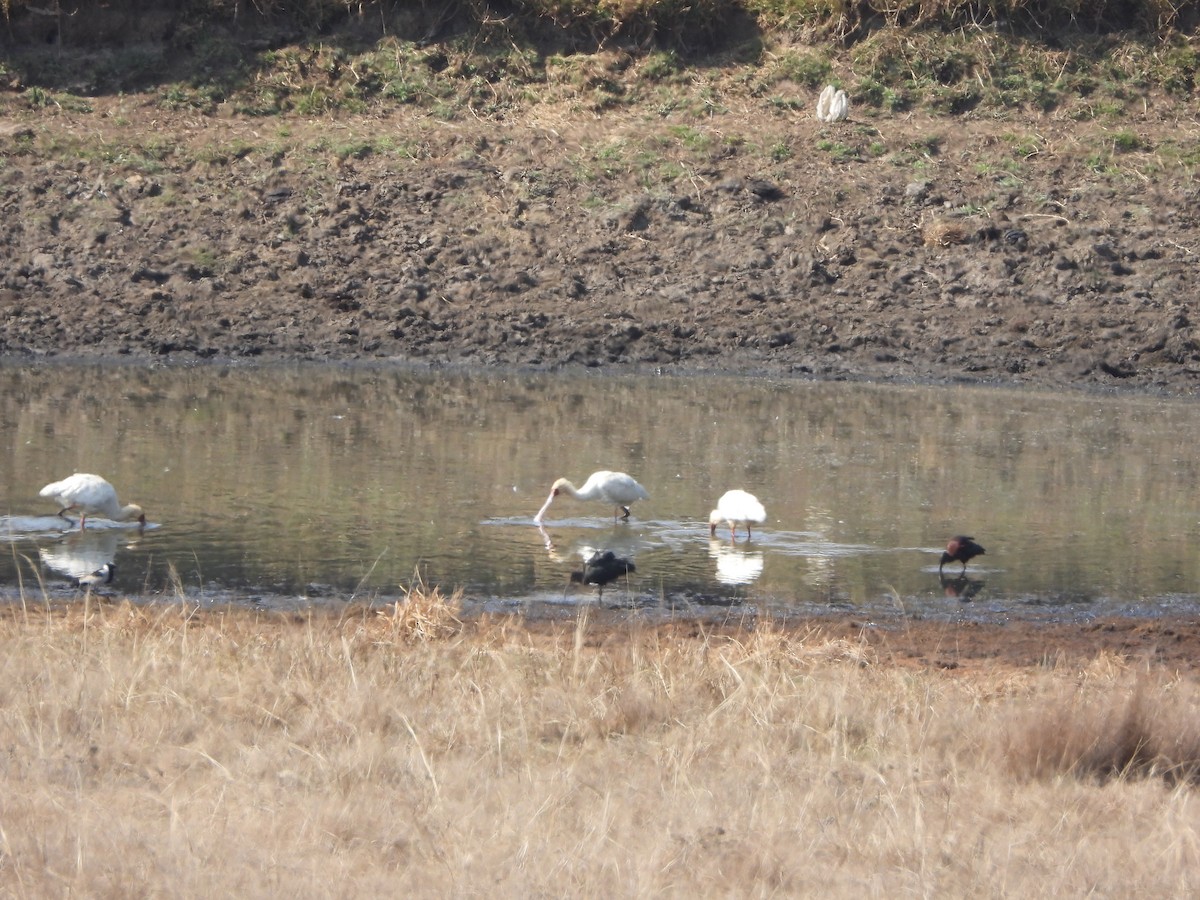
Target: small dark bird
(103, 575)
(961, 549)
(603, 566)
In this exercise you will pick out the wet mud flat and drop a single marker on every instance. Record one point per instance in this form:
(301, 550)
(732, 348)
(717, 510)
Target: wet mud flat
(952, 645)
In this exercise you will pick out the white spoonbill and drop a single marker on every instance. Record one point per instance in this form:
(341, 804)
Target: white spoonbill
(90, 495)
(737, 508)
(614, 488)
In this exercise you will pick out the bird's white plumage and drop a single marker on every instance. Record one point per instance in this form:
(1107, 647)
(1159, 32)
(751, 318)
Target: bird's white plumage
(615, 488)
(736, 508)
(90, 495)
(833, 105)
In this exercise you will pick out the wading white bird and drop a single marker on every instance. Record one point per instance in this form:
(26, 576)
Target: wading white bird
(90, 495)
(736, 508)
(614, 488)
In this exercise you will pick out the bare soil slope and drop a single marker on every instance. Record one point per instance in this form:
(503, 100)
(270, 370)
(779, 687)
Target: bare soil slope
(1023, 248)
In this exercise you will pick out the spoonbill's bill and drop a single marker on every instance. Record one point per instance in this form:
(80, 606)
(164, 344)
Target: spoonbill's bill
(603, 566)
(614, 488)
(961, 549)
(736, 508)
(90, 495)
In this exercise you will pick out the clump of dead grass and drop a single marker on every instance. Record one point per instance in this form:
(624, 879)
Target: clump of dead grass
(425, 614)
(1139, 726)
(942, 232)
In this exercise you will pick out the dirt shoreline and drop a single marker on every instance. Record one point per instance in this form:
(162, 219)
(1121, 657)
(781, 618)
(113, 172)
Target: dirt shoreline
(967, 647)
(959, 648)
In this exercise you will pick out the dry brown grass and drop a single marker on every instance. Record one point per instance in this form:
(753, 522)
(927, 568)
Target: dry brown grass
(425, 614)
(1145, 725)
(170, 751)
(943, 233)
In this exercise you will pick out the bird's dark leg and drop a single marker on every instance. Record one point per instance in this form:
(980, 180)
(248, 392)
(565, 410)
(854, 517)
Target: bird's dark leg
(626, 508)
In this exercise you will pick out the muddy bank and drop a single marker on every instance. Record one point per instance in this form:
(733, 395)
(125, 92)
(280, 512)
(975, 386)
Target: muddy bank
(140, 234)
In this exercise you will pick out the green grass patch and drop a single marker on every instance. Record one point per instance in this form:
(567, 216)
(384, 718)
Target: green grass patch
(838, 151)
(1126, 141)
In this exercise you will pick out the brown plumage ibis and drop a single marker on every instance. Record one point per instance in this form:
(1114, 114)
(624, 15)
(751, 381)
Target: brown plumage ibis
(961, 549)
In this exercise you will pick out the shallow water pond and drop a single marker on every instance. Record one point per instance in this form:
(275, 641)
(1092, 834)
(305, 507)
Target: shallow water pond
(313, 484)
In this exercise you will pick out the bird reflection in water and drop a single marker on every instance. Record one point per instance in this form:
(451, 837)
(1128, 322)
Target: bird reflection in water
(601, 568)
(618, 539)
(734, 565)
(87, 558)
(960, 587)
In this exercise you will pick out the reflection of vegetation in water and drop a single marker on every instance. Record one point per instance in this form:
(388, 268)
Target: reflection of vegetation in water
(328, 475)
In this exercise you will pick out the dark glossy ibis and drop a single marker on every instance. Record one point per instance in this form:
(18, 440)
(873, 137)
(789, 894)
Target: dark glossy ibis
(603, 566)
(961, 549)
